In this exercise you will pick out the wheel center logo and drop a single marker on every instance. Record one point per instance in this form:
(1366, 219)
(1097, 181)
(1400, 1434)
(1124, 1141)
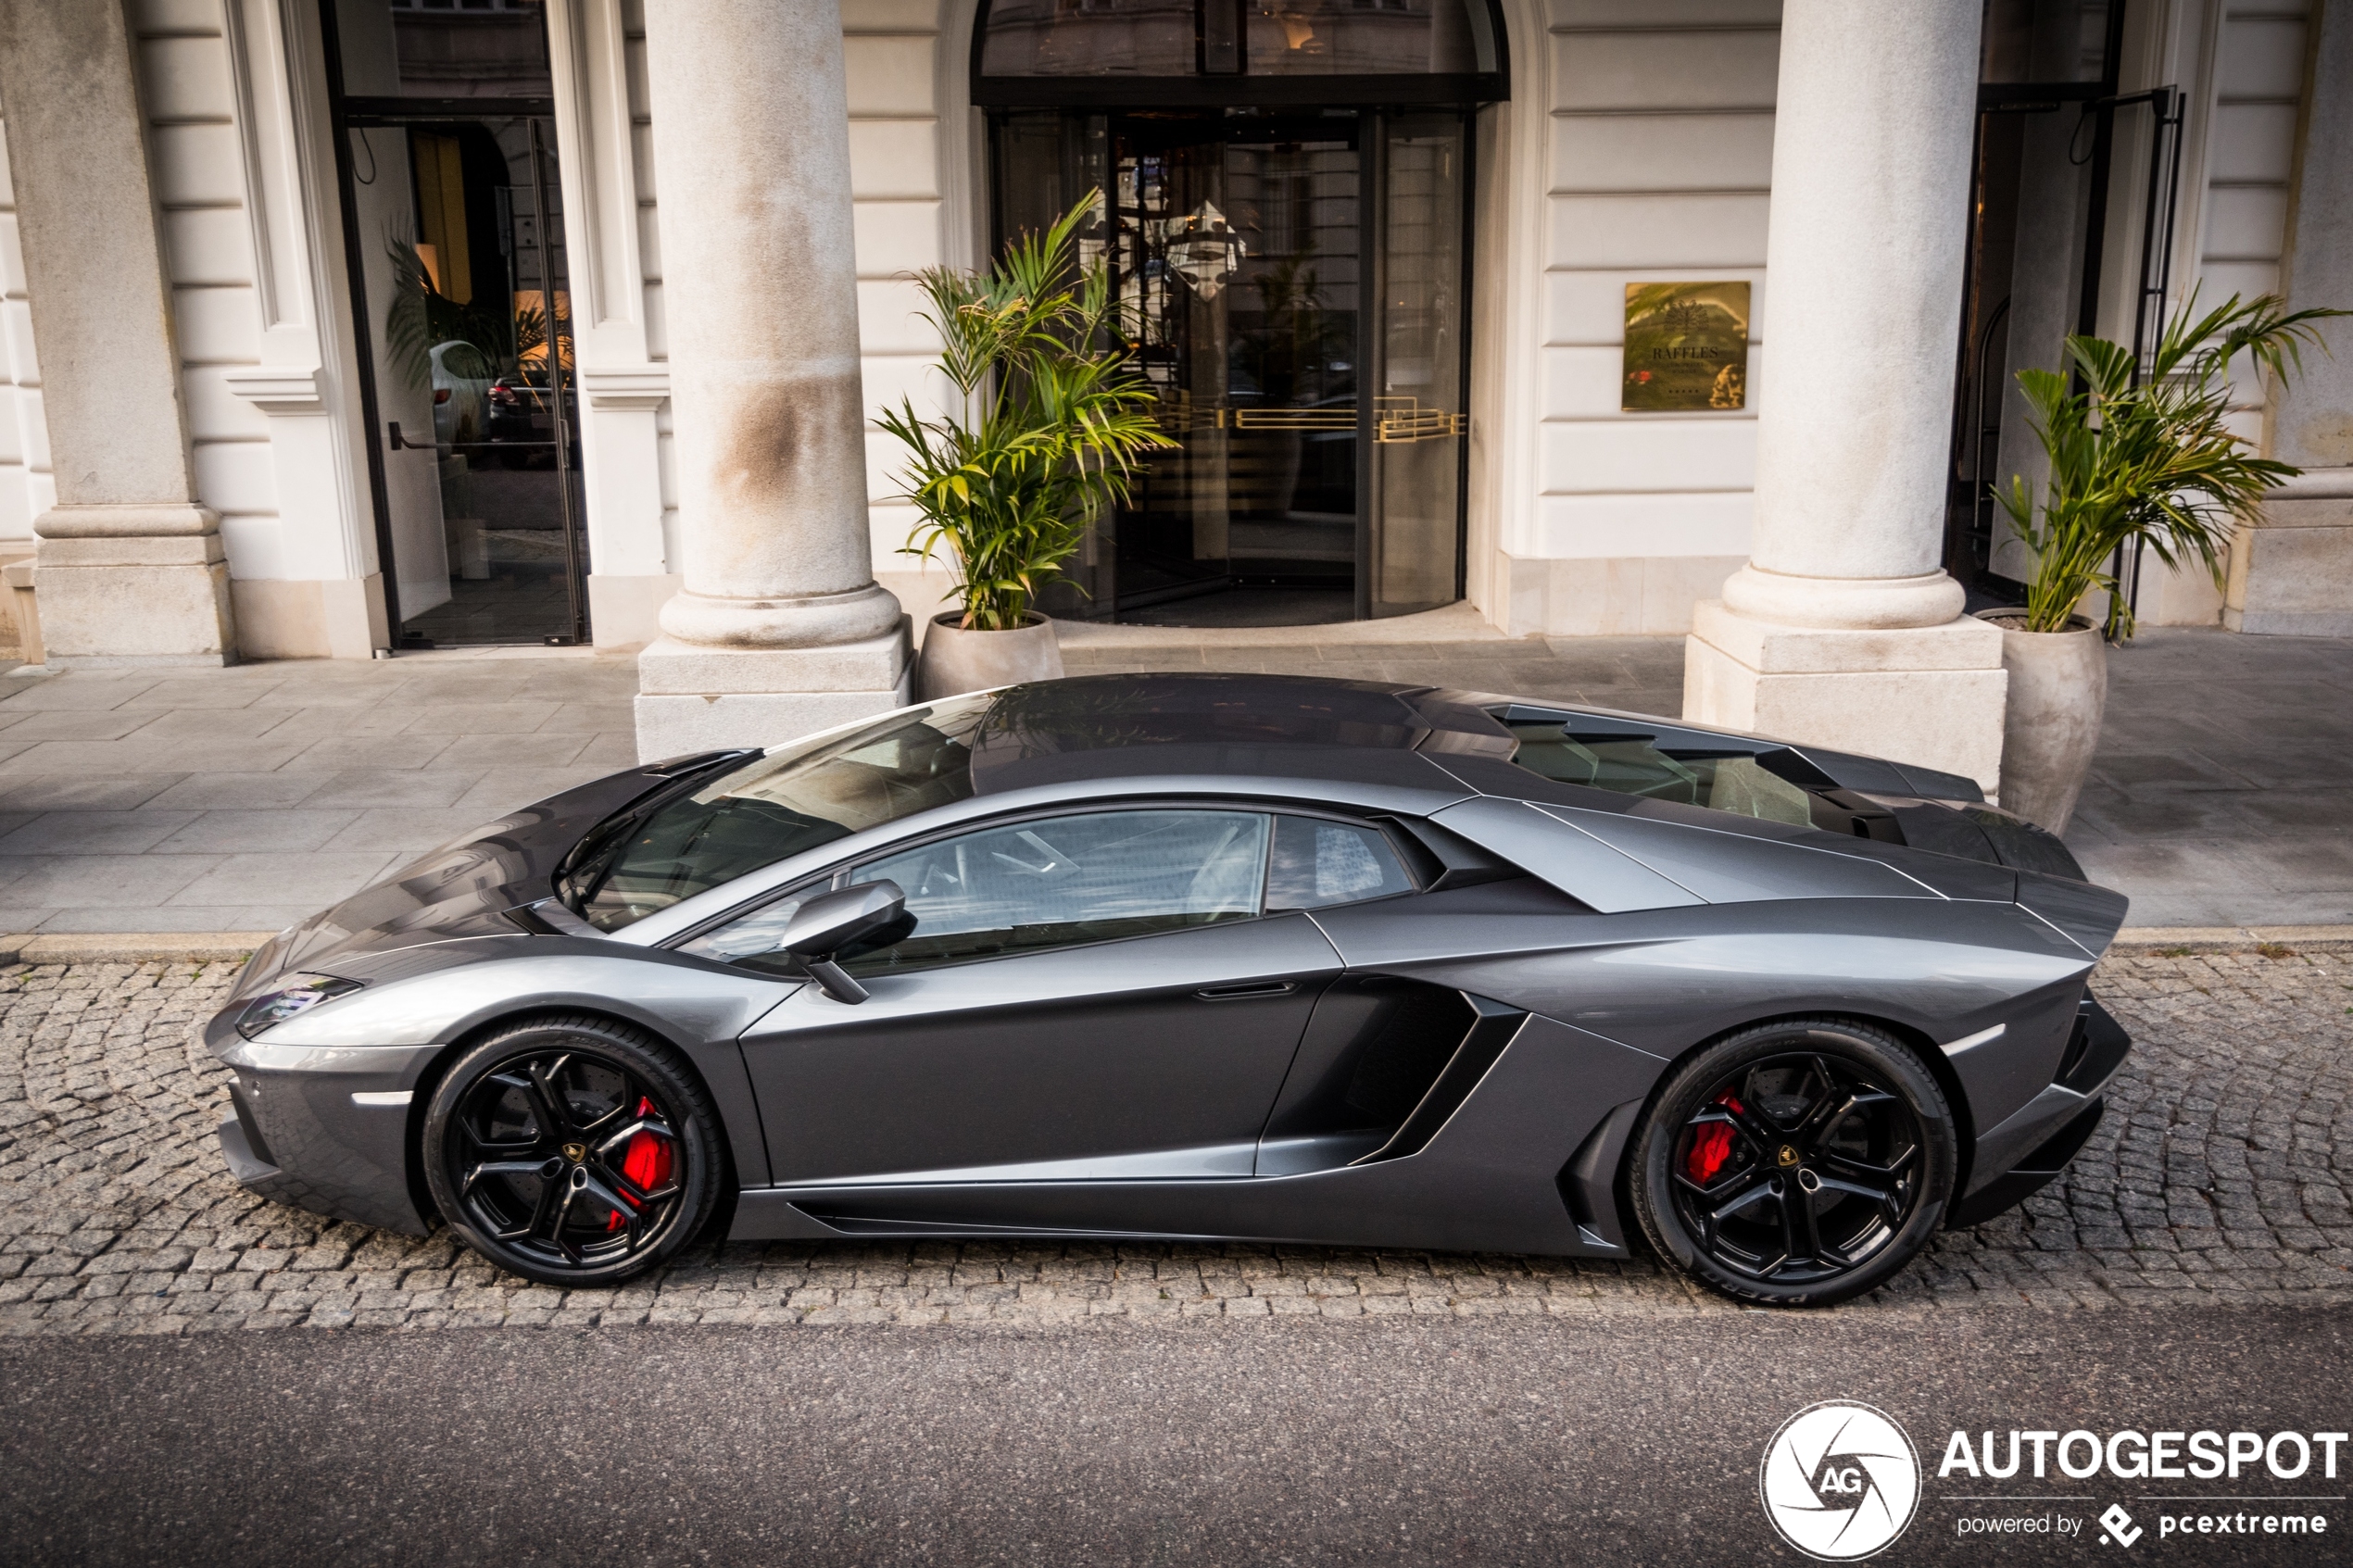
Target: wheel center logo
(575, 1152)
(1840, 1480)
(1788, 1154)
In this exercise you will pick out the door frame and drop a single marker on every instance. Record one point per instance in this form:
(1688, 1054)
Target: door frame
(346, 113)
(1373, 98)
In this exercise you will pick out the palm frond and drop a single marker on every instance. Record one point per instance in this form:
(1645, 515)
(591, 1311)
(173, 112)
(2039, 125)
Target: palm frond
(2150, 461)
(1051, 429)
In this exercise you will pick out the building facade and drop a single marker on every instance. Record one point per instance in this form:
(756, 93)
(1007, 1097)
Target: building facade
(341, 326)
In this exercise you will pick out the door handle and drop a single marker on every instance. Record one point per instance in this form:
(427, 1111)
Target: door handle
(1255, 988)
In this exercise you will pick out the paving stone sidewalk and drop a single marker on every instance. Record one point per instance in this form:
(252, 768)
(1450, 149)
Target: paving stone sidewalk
(2223, 1172)
(247, 798)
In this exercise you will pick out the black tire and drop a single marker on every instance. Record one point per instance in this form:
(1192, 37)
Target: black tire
(1795, 1164)
(575, 1150)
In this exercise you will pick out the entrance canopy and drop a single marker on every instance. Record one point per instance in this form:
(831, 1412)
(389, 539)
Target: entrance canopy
(1207, 52)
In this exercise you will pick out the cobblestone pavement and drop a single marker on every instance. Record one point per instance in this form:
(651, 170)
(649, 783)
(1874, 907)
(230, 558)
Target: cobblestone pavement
(2224, 1171)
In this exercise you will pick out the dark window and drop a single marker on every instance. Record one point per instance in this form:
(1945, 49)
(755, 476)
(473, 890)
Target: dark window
(1318, 863)
(1632, 765)
(1352, 38)
(1170, 39)
(793, 799)
(1088, 38)
(1062, 881)
(443, 49)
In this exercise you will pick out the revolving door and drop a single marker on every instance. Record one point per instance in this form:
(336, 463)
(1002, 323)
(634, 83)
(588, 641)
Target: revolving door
(1293, 286)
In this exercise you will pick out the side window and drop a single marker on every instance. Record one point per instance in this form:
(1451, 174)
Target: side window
(1631, 765)
(1063, 881)
(751, 941)
(1317, 863)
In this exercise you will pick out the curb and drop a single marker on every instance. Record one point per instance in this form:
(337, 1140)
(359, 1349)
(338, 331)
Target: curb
(234, 946)
(165, 946)
(2143, 940)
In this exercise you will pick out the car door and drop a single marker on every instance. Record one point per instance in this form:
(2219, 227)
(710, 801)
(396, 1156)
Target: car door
(1094, 994)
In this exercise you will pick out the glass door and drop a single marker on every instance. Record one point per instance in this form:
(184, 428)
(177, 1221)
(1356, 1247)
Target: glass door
(1418, 419)
(454, 234)
(1239, 260)
(1270, 266)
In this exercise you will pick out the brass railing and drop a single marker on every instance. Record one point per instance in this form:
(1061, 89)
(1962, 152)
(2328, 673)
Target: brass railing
(1396, 420)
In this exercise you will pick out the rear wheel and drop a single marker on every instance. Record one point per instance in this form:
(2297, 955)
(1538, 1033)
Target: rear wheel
(1795, 1164)
(572, 1151)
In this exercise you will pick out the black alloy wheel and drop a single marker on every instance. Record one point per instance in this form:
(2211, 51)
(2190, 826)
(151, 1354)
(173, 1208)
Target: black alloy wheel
(1795, 1164)
(574, 1151)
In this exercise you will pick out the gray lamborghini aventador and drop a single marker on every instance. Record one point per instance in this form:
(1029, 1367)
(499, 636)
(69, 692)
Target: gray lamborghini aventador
(1201, 956)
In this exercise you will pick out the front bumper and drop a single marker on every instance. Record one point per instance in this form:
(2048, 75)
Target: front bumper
(326, 1129)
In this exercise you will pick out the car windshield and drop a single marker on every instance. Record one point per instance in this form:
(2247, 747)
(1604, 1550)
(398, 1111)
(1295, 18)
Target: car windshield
(794, 798)
(1629, 764)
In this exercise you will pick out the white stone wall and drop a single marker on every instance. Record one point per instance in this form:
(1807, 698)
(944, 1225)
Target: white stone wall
(1656, 166)
(2242, 64)
(2250, 159)
(26, 489)
(906, 64)
(641, 151)
(198, 170)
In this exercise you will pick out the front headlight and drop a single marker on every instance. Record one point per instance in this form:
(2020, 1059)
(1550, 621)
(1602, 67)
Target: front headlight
(300, 994)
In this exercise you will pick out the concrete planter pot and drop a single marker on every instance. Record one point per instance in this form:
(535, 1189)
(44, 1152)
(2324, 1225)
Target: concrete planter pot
(2058, 691)
(956, 660)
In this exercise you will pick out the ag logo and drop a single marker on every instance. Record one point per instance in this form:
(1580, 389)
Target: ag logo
(1840, 1480)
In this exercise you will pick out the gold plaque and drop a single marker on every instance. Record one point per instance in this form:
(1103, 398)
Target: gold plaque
(1686, 346)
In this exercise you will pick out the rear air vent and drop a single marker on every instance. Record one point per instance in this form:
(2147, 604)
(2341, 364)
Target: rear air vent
(2094, 1050)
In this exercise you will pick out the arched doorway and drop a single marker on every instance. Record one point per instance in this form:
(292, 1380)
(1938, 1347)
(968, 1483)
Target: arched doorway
(1286, 219)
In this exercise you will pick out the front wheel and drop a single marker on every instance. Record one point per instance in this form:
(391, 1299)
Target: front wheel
(1796, 1163)
(574, 1151)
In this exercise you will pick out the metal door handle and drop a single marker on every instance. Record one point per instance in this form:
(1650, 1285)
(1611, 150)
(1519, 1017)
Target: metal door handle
(1257, 988)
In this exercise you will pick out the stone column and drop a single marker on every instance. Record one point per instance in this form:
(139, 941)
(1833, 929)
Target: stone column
(2295, 573)
(1843, 629)
(780, 628)
(128, 569)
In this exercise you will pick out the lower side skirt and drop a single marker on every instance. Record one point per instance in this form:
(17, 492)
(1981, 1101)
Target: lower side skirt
(1389, 1204)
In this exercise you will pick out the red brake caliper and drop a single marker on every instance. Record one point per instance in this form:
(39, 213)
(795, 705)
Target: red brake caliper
(1711, 1145)
(645, 1162)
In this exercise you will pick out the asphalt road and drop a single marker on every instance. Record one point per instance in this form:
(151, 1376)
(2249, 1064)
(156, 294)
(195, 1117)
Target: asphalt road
(1495, 1441)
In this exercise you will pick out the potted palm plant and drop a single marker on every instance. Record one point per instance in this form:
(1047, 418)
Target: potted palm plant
(2134, 461)
(1051, 424)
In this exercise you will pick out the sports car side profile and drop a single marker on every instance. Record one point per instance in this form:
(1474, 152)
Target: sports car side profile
(1202, 957)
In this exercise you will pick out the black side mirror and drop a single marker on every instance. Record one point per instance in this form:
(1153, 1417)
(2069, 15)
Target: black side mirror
(828, 924)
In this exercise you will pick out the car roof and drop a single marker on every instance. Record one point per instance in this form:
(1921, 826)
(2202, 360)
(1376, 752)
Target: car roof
(1306, 727)
(1203, 722)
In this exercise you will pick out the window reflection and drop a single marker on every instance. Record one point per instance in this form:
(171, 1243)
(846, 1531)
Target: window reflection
(443, 48)
(1063, 38)
(1068, 879)
(1631, 765)
(1352, 38)
(1089, 38)
(794, 798)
